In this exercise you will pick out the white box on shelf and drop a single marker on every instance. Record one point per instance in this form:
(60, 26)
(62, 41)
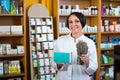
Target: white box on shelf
(8, 48)
(44, 29)
(49, 29)
(20, 49)
(13, 51)
(16, 29)
(50, 45)
(38, 22)
(50, 37)
(4, 52)
(48, 21)
(38, 37)
(44, 37)
(45, 45)
(1, 68)
(38, 29)
(32, 22)
(5, 29)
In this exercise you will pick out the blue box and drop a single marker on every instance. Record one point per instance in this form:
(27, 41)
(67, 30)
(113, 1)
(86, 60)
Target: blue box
(62, 57)
(5, 6)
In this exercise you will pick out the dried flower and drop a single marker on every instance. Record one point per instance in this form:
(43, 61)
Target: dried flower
(82, 48)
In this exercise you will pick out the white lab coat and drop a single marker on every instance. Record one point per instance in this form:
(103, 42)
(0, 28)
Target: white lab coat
(75, 71)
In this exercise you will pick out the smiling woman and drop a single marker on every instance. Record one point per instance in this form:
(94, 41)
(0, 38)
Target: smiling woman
(67, 43)
(75, 22)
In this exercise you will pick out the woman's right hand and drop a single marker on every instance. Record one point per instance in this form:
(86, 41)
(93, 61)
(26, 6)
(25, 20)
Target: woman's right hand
(85, 59)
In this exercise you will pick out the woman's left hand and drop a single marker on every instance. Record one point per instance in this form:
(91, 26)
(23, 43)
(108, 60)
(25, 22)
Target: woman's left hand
(85, 59)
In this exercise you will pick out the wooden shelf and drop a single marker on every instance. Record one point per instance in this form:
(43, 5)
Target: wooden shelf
(11, 35)
(44, 52)
(12, 41)
(65, 15)
(110, 33)
(105, 49)
(108, 16)
(11, 56)
(112, 0)
(105, 36)
(103, 65)
(41, 58)
(11, 15)
(91, 20)
(12, 75)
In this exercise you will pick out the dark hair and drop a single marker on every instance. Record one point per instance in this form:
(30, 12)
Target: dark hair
(80, 16)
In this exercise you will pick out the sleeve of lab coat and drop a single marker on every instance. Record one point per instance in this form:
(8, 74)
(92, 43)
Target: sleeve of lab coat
(93, 63)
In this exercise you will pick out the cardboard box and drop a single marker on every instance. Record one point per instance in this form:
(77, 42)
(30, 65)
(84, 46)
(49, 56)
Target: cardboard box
(4, 29)
(16, 29)
(20, 49)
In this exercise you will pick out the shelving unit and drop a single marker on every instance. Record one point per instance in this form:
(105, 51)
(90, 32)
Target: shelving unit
(41, 40)
(92, 19)
(110, 36)
(13, 41)
(41, 47)
(60, 16)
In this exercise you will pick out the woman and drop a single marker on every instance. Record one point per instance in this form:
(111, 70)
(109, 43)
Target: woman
(67, 43)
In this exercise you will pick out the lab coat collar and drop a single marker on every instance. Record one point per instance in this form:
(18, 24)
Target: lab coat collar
(77, 39)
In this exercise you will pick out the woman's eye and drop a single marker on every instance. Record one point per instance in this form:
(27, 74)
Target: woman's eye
(77, 21)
